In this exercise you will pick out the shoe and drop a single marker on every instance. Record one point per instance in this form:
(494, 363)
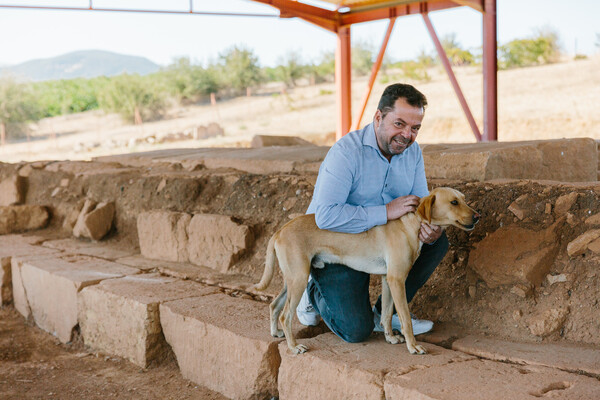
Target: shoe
(420, 326)
(307, 315)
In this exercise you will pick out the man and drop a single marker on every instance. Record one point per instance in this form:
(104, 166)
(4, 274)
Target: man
(369, 177)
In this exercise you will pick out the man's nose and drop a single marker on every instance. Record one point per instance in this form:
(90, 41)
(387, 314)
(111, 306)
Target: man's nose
(406, 132)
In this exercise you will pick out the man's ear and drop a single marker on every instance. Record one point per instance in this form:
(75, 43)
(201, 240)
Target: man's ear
(425, 207)
(377, 118)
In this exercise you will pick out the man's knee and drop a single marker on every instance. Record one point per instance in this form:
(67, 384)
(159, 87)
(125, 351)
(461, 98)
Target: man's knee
(358, 330)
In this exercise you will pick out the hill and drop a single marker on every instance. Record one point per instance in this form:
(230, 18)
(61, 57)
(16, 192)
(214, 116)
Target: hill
(82, 64)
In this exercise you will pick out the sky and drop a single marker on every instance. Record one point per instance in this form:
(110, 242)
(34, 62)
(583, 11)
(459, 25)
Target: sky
(33, 34)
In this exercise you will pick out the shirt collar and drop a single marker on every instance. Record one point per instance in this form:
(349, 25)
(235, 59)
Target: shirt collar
(369, 138)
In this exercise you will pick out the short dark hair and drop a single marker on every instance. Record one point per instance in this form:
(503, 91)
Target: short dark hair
(400, 90)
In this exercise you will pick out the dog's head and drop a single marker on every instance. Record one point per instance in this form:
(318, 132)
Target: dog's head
(445, 206)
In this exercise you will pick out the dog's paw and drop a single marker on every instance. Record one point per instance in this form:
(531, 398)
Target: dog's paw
(299, 349)
(417, 349)
(277, 333)
(394, 339)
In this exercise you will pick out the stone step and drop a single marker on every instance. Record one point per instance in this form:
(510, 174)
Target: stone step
(567, 357)
(374, 369)
(46, 288)
(224, 344)
(120, 316)
(12, 246)
(108, 251)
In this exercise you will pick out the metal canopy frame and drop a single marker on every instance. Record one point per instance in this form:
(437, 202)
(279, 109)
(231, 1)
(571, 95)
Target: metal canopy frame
(340, 21)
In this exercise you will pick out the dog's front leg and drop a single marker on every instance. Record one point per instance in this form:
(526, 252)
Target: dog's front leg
(387, 309)
(398, 290)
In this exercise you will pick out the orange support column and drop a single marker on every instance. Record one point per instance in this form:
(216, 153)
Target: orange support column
(490, 73)
(343, 68)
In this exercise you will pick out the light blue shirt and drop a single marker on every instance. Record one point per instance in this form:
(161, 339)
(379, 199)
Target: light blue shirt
(356, 181)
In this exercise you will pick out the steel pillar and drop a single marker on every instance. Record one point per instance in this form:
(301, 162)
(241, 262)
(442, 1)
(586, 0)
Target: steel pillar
(453, 81)
(490, 73)
(343, 68)
(374, 71)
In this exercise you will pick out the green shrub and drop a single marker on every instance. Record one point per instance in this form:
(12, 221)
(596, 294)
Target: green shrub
(17, 105)
(543, 48)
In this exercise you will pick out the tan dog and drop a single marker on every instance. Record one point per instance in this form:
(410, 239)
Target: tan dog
(388, 250)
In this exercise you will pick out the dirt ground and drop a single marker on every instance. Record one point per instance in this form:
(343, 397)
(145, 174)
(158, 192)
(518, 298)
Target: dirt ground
(34, 365)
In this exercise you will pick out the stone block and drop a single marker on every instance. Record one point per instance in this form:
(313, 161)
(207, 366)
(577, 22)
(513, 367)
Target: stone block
(46, 288)
(12, 190)
(163, 235)
(13, 246)
(22, 218)
(564, 203)
(334, 369)
(564, 356)
(565, 160)
(120, 316)
(95, 220)
(514, 255)
(216, 241)
(100, 250)
(482, 379)
(272, 140)
(224, 344)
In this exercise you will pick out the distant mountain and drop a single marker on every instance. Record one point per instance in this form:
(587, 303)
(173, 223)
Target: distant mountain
(82, 64)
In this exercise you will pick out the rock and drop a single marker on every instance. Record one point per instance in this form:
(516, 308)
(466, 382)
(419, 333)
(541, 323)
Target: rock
(489, 380)
(547, 322)
(22, 218)
(47, 288)
(161, 185)
(120, 316)
(216, 241)
(552, 279)
(269, 140)
(579, 245)
(472, 291)
(333, 369)
(593, 220)
(64, 182)
(548, 209)
(560, 356)
(95, 220)
(12, 190)
(163, 235)
(564, 203)
(213, 129)
(92, 249)
(516, 210)
(224, 344)
(513, 255)
(594, 246)
(521, 290)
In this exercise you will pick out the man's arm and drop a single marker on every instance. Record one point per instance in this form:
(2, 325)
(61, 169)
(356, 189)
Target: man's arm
(334, 183)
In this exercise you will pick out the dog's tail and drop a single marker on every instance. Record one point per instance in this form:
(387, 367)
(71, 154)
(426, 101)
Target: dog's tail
(269, 266)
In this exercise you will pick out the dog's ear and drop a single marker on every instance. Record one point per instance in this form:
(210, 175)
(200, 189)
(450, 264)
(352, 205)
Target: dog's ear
(425, 207)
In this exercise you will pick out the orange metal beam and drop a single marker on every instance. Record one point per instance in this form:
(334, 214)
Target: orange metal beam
(374, 72)
(343, 71)
(453, 81)
(319, 16)
(490, 73)
(354, 17)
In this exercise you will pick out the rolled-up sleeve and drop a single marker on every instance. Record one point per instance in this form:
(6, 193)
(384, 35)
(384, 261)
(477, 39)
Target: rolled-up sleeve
(332, 211)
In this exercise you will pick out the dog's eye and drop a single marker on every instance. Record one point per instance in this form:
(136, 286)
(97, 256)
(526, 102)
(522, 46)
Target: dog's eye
(454, 202)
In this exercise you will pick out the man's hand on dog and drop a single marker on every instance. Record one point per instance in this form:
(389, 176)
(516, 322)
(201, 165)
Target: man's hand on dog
(429, 233)
(406, 204)
(401, 206)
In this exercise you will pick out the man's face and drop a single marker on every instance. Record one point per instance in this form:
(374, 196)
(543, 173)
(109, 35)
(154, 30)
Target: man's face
(398, 129)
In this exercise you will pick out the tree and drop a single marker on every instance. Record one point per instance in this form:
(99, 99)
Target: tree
(291, 68)
(17, 105)
(362, 58)
(455, 53)
(188, 82)
(324, 69)
(240, 68)
(134, 97)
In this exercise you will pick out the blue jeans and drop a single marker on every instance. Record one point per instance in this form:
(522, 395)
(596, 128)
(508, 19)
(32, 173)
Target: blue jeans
(341, 294)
